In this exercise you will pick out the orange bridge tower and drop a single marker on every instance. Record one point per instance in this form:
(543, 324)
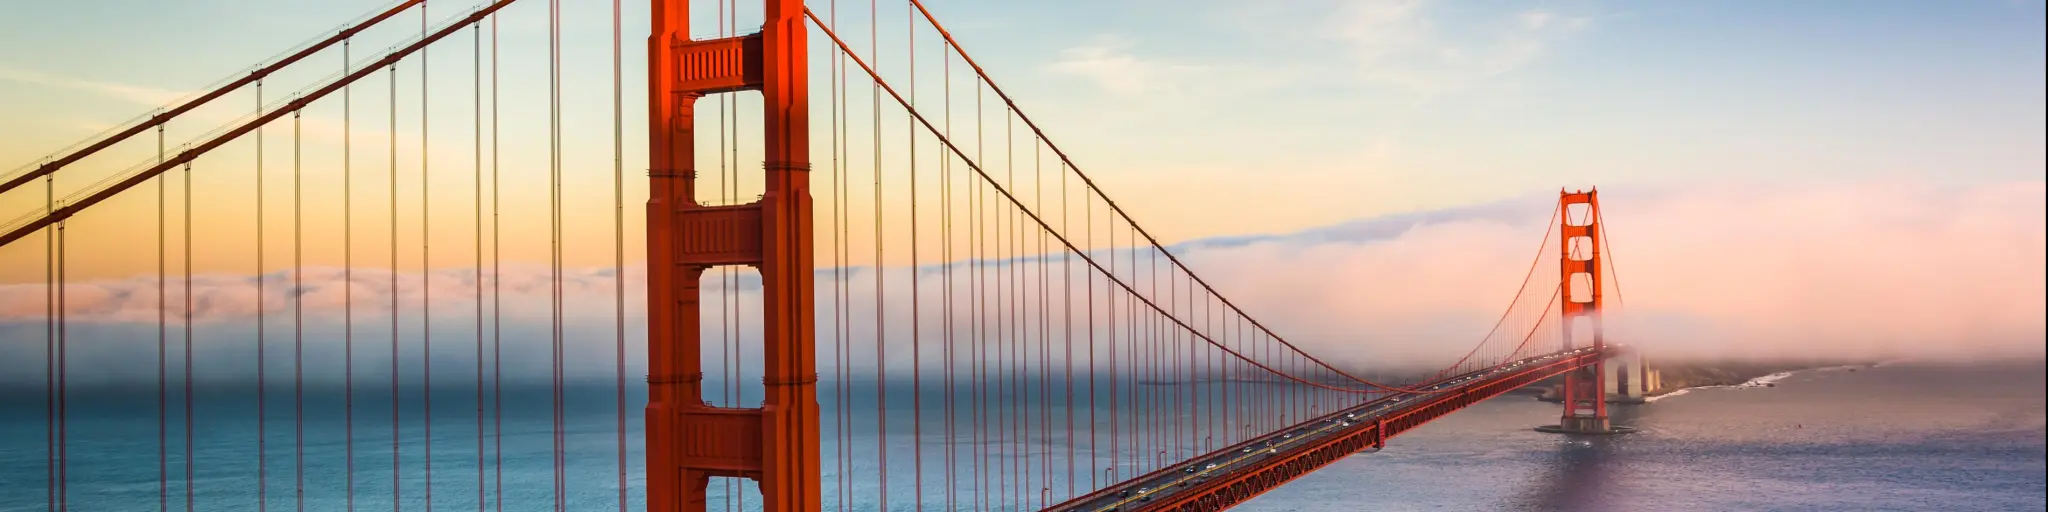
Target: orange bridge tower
(689, 441)
(1585, 404)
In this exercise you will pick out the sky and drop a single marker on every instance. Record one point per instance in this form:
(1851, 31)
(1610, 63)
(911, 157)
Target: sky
(1808, 146)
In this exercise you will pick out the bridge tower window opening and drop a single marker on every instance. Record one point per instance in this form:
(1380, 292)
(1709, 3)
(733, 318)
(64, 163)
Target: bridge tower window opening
(1578, 248)
(1581, 289)
(729, 163)
(730, 327)
(1578, 214)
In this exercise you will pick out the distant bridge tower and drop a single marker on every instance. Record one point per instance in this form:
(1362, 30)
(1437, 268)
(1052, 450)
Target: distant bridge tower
(689, 441)
(1630, 379)
(1585, 404)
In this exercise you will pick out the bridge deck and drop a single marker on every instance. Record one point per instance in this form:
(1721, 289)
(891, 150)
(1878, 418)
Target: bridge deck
(1236, 473)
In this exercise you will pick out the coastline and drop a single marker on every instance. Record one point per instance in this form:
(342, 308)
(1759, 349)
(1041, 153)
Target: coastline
(1681, 378)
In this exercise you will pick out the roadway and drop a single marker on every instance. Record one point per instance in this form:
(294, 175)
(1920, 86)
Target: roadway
(1160, 484)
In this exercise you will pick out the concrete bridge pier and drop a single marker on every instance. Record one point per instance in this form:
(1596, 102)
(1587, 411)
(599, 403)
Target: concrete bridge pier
(1630, 379)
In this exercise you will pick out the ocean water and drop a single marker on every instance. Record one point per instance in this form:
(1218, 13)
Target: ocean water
(1896, 437)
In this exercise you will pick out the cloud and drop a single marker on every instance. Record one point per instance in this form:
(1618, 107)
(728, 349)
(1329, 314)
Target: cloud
(1410, 45)
(1878, 269)
(140, 95)
(1109, 64)
(1863, 270)
(327, 293)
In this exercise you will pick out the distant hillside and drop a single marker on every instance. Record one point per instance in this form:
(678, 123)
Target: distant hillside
(1683, 375)
(1692, 374)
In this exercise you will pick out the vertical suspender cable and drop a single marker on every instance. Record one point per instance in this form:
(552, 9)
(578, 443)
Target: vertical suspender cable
(426, 289)
(1088, 218)
(1067, 332)
(50, 345)
(396, 504)
(728, 193)
(1020, 459)
(976, 319)
(881, 344)
(1152, 393)
(1135, 367)
(845, 327)
(916, 326)
(1171, 338)
(498, 447)
(727, 392)
(348, 279)
(980, 324)
(497, 309)
(728, 381)
(1037, 304)
(555, 235)
(846, 256)
(187, 320)
(1115, 374)
(619, 251)
(477, 202)
(163, 465)
(190, 492)
(1037, 272)
(732, 184)
(952, 334)
(298, 325)
(393, 146)
(63, 378)
(839, 402)
(1006, 367)
(262, 466)
(946, 259)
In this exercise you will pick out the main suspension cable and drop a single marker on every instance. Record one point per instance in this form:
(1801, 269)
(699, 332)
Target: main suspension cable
(1064, 158)
(1148, 302)
(164, 117)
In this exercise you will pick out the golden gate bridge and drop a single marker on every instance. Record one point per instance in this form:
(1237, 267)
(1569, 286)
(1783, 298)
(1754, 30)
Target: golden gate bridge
(1058, 356)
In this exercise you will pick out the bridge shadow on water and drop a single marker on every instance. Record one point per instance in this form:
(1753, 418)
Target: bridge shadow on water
(1583, 475)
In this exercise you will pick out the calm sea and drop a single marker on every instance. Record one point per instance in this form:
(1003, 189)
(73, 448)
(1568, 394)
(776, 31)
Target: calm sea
(1895, 437)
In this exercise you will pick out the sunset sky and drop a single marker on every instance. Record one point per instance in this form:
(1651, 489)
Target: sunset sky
(1886, 137)
(1298, 114)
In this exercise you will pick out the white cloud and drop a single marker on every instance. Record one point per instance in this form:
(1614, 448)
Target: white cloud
(1875, 269)
(1411, 45)
(146, 96)
(1859, 270)
(1108, 63)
